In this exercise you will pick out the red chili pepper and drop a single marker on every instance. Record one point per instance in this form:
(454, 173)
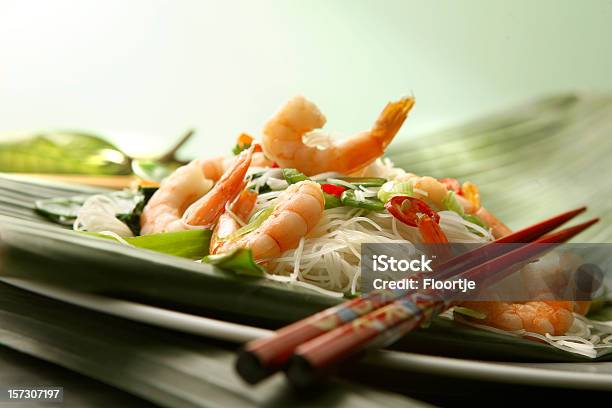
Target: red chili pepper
(409, 210)
(452, 184)
(333, 189)
(275, 165)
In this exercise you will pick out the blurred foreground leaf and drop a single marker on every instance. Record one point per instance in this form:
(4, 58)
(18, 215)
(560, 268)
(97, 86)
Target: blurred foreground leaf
(64, 152)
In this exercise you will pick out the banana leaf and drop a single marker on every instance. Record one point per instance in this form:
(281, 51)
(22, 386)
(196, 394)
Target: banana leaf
(168, 368)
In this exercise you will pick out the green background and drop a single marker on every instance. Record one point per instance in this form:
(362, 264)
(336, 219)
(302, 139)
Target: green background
(144, 71)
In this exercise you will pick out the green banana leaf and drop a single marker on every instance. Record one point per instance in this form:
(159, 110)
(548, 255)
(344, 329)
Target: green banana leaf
(168, 368)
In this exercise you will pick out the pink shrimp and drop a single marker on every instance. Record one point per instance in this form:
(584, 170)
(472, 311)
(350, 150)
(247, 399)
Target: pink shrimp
(297, 212)
(283, 138)
(187, 197)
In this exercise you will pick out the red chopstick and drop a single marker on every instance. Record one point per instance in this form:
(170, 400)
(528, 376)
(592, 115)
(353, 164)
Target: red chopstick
(386, 324)
(263, 357)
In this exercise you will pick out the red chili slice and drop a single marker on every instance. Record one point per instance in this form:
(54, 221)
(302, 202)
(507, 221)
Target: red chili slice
(452, 184)
(333, 189)
(409, 210)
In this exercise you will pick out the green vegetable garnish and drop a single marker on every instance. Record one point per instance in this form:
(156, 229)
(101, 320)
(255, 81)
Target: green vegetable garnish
(293, 176)
(255, 222)
(331, 201)
(350, 200)
(363, 181)
(394, 188)
(239, 261)
(237, 149)
(450, 203)
(475, 220)
(64, 210)
(191, 244)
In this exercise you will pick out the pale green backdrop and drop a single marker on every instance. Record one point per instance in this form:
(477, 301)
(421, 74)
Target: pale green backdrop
(144, 71)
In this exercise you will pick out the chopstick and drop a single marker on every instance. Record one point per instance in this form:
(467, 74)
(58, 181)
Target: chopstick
(263, 357)
(387, 324)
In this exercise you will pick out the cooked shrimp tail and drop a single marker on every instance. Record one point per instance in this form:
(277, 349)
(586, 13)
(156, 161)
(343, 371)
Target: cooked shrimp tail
(283, 138)
(206, 211)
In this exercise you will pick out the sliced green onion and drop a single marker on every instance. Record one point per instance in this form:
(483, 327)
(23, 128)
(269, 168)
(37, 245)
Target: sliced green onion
(466, 311)
(395, 188)
(192, 244)
(293, 176)
(450, 203)
(254, 222)
(475, 220)
(239, 261)
(350, 199)
(364, 181)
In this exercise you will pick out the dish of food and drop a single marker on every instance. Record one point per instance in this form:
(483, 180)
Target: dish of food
(295, 207)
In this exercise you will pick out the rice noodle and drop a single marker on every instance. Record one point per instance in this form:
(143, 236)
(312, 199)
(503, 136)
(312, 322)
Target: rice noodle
(329, 256)
(98, 214)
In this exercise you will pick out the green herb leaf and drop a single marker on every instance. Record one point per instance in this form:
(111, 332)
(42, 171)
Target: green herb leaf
(64, 210)
(293, 176)
(349, 199)
(192, 244)
(237, 149)
(239, 261)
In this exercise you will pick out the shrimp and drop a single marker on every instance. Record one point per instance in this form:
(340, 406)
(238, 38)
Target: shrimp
(427, 188)
(552, 317)
(297, 212)
(545, 280)
(230, 221)
(206, 210)
(283, 140)
(191, 185)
